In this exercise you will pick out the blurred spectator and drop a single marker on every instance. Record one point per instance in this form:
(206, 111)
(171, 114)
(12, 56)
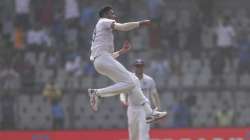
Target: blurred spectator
(71, 12)
(225, 39)
(25, 69)
(54, 95)
(10, 79)
(225, 117)
(37, 36)
(19, 38)
(217, 65)
(22, 8)
(71, 15)
(73, 66)
(53, 61)
(182, 114)
(74, 70)
(71, 9)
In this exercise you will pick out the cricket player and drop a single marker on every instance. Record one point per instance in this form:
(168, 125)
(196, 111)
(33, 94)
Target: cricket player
(102, 50)
(137, 126)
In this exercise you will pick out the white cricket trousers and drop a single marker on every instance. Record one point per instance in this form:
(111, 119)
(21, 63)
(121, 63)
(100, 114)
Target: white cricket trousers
(137, 126)
(124, 81)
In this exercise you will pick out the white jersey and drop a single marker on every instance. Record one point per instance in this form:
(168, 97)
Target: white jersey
(138, 128)
(148, 87)
(102, 38)
(225, 35)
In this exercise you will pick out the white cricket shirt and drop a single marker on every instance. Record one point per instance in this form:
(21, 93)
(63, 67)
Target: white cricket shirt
(148, 87)
(225, 36)
(102, 38)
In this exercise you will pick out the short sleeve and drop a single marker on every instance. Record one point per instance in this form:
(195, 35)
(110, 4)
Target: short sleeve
(106, 23)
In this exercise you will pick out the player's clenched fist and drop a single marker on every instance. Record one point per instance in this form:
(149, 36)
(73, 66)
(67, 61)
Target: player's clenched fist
(144, 23)
(126, 47)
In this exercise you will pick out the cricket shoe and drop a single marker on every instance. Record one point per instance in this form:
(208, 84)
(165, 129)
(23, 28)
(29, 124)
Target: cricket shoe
(93, 99)
(156, 115)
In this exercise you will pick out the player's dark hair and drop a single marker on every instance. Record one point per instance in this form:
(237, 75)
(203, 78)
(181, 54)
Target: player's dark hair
(104, 10)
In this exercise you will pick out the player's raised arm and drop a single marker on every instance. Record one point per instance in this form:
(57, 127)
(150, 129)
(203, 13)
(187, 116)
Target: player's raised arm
(130, 25)
(111, 21)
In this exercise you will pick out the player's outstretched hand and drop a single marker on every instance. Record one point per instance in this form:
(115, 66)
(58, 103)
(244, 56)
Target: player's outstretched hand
(145, 23)
(126, 47)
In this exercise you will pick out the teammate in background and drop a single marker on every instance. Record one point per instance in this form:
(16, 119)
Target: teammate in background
(102, 49)
(138, 128)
